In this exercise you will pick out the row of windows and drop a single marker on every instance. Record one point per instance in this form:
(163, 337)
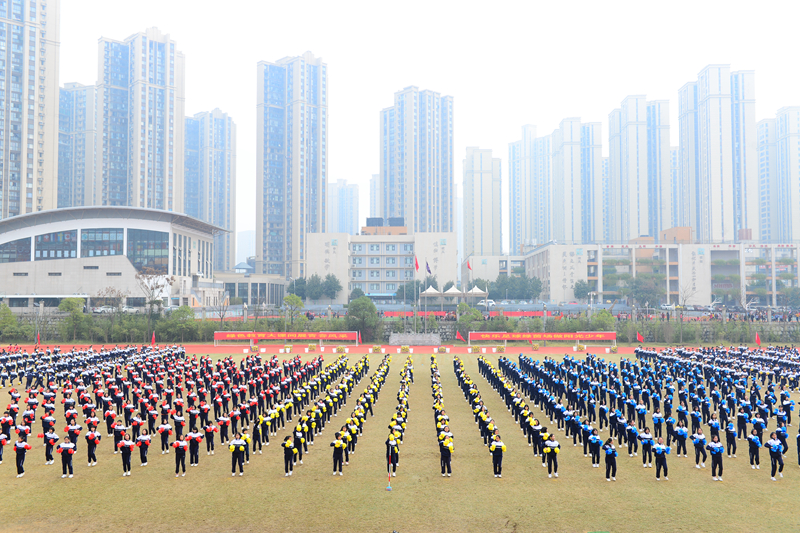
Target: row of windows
(386, 247)
(389, 261)
(387, 287)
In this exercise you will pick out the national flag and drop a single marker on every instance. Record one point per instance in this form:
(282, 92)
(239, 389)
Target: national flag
(758, 339)
(459, 336)
(416, 263)
(469, 267)
(153, 340)
(427, 267)
(38, 341)
(639, 337)
(359, 337)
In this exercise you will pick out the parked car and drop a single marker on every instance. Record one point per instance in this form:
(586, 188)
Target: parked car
(667, 307)
(505, 302)
(487, 303)
(129, 309)
(103, 309)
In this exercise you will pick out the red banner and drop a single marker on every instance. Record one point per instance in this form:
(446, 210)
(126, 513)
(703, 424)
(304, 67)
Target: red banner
(579, 336)
(392, 314)
(280, 335)
(520, 313)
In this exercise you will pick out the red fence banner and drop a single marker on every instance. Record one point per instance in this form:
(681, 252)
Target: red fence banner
(280, 335)
(520, 313)
(392, 314)
(579, 336)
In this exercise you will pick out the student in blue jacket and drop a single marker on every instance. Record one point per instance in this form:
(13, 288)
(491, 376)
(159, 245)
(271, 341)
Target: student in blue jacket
(681, 434)
(699, 441)
(661, 451)
(716, 449)
(730, 438)
(611, 460)
(776, 450)
(754, 445)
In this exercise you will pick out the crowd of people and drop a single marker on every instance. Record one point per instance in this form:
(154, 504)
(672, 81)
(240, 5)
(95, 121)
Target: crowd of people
(397, 424)
(137, 397)
(653, 404)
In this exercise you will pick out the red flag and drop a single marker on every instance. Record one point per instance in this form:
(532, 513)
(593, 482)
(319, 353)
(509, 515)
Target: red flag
(359, 337)
(416, 263)
(468, 265)
(38, 341)
(459, 336)
(758, 339)
(639, 337)
(153, 341)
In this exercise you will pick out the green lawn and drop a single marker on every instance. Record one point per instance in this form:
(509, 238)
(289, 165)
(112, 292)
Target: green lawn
(209, 499)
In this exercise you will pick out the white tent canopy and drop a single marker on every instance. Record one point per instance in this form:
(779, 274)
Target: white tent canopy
(430, 292)
(476, 291)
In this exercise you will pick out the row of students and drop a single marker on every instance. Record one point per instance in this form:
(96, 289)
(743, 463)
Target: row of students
(444, 437)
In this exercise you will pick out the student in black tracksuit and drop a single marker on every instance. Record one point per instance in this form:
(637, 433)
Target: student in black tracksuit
(66, 449)
(289, 452)
(21, 448)
(338, 446)
(446, 454)
(611, 460)
(237, 447)
(392, 453)
(551, 450)
(180, 445)
(497, 448)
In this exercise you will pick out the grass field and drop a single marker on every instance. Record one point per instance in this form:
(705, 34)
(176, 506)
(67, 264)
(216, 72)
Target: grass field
(209, 499)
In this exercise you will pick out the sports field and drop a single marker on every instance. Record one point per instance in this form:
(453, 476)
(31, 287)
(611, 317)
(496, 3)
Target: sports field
(209, 499)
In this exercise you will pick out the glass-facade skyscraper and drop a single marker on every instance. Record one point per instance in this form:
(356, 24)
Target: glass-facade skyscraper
(210, 179)
(343, 207)
(416, 158)
(77, 135)
(29, 100)
(140, 103)
(291, 166)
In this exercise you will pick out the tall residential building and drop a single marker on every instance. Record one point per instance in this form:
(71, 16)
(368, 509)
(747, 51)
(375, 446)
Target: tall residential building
(606, 185)
(140, 103)
(788, 139)
(483, 233)
(659, 176)
(688, 158)
(628, 169)
(210, 179)
(769, 182)
(29, 48)
(375, 196)
(530, 184)
(416, 157)
(77, 135)
(744, 151)
(592, 181)
(718, 145)
(568, 207)
(291, 164)
(675, 181)
(343, 207)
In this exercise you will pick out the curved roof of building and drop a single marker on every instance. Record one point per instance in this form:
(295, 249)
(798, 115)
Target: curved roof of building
(67, 214)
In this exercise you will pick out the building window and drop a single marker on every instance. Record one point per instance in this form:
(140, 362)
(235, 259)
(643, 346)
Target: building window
(91, 267)
(15, 251)
(148, 249)
(374, 247)
(391, 247)
(57, 245)
(374, 286)
(55, 274)
(391, 286)
(358, 247)
(101, 241)
(408, 247)
(391, 273)
(374, 260)
(20, 274)
(113, 273)
(358, 260)
(374, 273)
(391, 260)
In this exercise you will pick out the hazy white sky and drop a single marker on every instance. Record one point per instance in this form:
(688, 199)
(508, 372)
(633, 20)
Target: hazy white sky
(505, 63)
